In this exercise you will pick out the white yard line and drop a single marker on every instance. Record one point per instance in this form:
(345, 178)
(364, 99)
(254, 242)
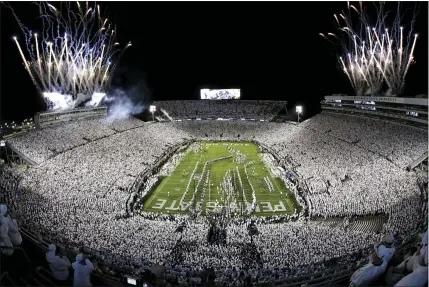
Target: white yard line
(160, 187)
(209, 189)
(275, 183)
(287, 201)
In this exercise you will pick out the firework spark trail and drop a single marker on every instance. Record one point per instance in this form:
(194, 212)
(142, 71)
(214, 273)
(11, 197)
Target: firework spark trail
(72, 56)
(374, 55)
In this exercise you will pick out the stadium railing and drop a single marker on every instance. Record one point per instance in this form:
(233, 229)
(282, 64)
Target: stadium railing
(15, 248)
(5, 279)
(102, 278)
(326, 280)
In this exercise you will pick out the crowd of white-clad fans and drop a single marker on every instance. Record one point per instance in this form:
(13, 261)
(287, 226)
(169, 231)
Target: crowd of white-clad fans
(86, 168)
(258, 110)
(40, 145)
(400, 144)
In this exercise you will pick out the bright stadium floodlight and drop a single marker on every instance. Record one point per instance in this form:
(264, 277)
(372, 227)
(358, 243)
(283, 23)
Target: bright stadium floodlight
(152, 109)
(298, 111)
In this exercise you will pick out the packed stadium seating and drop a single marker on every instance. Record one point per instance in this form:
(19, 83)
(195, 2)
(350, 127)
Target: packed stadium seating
(400, 144)
(53, 140)
(257, 110)
(79, 187)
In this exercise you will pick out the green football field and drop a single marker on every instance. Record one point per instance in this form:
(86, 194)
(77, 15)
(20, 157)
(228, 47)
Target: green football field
(198, 182)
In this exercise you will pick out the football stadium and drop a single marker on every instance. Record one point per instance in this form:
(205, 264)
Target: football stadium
(215, 191)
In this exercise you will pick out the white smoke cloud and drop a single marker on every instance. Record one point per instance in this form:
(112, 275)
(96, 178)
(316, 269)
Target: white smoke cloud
(95, 100)
(121, 106)
(57, 101)
(60, 102)
(81, 98)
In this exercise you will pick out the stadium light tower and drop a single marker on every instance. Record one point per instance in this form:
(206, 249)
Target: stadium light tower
(152, 109)
(298, 111)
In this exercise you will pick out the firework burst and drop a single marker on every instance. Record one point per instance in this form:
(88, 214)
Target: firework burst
(71, 61)
(374, 54)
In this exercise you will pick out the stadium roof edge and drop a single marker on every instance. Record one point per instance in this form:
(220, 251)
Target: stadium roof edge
(237, 100)
(394, 100)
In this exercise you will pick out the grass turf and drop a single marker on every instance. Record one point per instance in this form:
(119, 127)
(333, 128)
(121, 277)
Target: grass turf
(167, 194)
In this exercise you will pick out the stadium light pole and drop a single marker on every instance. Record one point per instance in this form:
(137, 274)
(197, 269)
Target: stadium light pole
(298, 111)
(152, 109)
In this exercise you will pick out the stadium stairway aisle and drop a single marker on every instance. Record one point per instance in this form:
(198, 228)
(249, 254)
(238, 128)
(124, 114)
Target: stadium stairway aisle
(366, 224)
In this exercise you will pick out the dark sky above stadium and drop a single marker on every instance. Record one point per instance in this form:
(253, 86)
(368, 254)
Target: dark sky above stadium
(270, 50)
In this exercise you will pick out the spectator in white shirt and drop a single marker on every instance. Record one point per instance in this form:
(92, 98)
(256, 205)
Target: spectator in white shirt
(5, 241)
(369, 273)
(59, 265)
(82, 272)
(419, 276)
(13, 231)
(385, 249)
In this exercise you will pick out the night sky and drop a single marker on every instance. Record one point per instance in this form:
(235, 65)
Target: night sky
(270, 50)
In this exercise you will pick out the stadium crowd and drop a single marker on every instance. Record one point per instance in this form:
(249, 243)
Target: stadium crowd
(257, 110)
(40, 145)
(85, 169)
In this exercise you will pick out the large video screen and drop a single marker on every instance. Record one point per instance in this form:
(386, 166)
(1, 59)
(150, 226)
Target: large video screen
(227, 94)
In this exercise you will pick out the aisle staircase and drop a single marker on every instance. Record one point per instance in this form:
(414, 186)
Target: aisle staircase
(364, 224)
(370, 224)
